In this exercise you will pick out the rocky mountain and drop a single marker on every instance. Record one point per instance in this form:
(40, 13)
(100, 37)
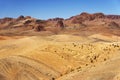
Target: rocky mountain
(97, 22)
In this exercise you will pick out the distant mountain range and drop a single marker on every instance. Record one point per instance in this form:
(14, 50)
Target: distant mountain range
(85, 22)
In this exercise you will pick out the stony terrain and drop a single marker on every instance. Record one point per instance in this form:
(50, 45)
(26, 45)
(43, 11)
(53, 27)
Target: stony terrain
(83, 47)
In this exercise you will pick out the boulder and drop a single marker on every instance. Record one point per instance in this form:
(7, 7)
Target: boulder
(39, 28)
(20, 18)
(60, 24)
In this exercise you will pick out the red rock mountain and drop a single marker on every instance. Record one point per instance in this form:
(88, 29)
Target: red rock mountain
(85, 22)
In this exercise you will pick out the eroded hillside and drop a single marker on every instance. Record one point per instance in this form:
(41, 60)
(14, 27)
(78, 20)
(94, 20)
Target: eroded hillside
(54, 57)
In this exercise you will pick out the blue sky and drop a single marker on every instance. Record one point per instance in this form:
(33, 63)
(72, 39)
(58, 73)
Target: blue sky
(45, 9)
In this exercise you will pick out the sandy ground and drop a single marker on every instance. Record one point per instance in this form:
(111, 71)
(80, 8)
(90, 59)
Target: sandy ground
(59, 57)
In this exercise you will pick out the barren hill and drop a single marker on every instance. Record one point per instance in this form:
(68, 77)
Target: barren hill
(85, 22)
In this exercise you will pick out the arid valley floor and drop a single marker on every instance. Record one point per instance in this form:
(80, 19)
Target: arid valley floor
(60, 57)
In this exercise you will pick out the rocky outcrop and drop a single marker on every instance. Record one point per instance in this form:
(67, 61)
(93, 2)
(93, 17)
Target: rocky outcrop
(5, 20)
(56, 19)
(28, 17)
(113, 16)
(81, 18)
(39, 27)
(60, 24)
(21, 18)
(98, 15)
(86, 17)
(113, 25)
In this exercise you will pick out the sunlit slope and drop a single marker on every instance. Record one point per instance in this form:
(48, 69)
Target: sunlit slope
(51, 57)
(108, 70)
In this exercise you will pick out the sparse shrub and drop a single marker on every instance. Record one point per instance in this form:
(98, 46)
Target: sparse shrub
(86, 64)
(71, 70)
(91, 60)
(105, 59)
(53, 79)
